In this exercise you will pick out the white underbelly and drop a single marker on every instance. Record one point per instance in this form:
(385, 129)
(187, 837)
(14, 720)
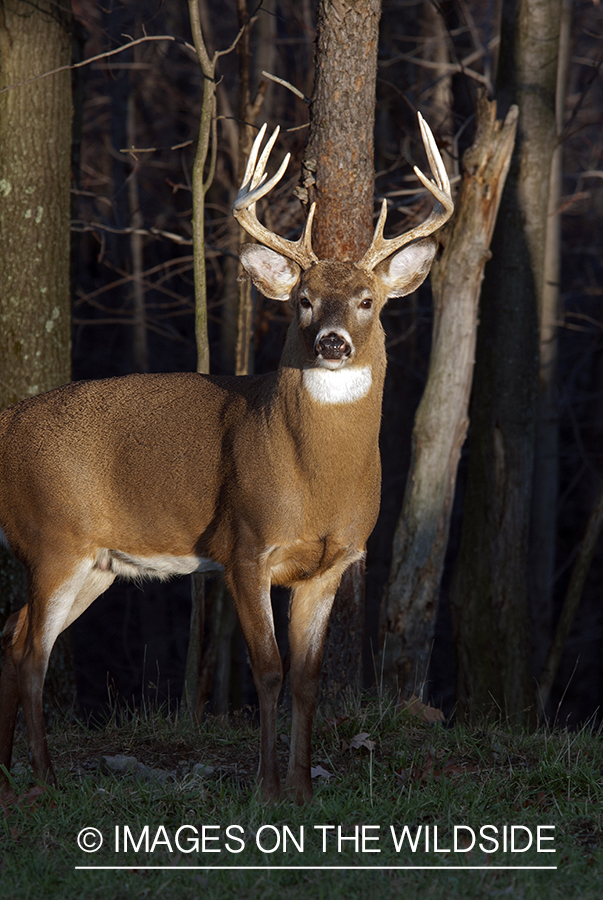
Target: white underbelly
(161, 566)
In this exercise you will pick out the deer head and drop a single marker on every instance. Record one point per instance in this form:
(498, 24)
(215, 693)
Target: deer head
(290, 270)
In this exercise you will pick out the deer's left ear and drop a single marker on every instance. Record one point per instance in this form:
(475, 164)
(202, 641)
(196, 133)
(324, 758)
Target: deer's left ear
(274, 275)
(403, 272)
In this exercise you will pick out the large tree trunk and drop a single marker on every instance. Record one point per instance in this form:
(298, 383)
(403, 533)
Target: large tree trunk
(489, 597)
(543, 526)
(339, 175)
(411, 598)
(35, 162)
(338, 164)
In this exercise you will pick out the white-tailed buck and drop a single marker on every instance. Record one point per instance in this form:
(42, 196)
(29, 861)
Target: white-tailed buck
(276, 477)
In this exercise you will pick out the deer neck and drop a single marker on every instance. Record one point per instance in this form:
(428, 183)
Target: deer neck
(338, 409)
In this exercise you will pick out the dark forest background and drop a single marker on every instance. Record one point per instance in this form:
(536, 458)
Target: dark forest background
(132, 288)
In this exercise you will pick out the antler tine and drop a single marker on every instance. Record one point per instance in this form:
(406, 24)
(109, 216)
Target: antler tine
(443, 207)
(259, 175)
(436, 163)
(253, 155)
(254, 185)
(253, 188)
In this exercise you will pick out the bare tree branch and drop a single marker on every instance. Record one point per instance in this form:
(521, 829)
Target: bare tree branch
(80, 226)
(87, 62)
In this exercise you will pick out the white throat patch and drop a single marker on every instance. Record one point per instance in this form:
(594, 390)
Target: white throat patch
(338, 385)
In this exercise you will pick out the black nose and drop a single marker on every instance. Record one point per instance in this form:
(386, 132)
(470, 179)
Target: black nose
(332, 346)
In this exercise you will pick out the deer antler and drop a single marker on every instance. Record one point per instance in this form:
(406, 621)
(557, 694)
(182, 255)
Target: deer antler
(254, 187)
(443, 206)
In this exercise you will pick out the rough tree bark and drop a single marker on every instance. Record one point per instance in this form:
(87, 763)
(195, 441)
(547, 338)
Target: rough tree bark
(411, 597)
(338, 163)
(35, 158)
(489, 597)
(35, 161)
(338, 173)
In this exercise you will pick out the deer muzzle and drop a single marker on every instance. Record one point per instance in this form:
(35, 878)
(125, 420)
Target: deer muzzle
(333, 346)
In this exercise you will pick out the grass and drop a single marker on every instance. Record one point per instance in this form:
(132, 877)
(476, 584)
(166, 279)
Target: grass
(388, 769)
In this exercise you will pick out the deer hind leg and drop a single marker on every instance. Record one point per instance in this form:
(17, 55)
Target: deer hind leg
(252, 602)
(51, 607)
(9, 702)
(311, 605)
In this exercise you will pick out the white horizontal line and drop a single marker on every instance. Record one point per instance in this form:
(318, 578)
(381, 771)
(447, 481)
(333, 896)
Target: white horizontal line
(133, 866)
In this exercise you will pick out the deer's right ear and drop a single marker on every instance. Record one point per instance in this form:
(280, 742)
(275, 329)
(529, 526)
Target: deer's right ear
(274, 275)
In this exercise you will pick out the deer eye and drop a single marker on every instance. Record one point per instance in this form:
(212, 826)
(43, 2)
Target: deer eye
(366, 303)
(305, 303)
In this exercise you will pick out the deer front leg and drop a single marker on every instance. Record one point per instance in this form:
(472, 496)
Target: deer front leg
(252, 602)
(311, 605)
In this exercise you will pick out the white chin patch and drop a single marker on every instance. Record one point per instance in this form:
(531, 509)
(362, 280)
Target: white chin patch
(338, 385)
(331, 364)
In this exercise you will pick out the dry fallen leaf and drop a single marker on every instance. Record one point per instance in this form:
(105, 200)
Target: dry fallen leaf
(421, 710)
(319, 772)
(361, 740)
